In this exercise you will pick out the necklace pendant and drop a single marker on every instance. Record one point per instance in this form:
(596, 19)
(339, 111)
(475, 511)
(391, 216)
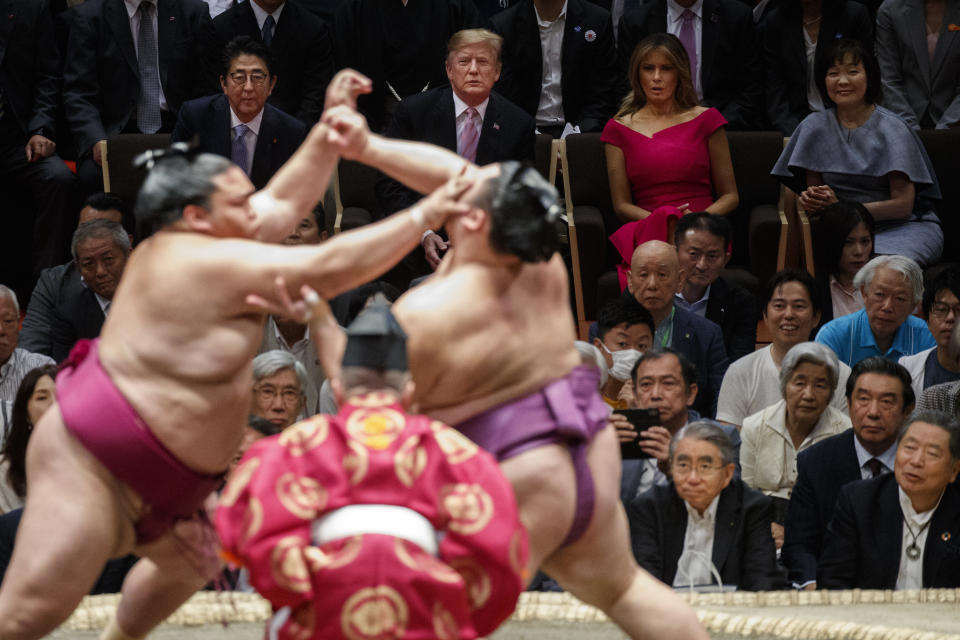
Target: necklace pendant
(913, 551)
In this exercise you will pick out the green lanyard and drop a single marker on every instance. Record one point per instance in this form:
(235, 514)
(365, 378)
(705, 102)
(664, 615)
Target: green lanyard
(665, 339)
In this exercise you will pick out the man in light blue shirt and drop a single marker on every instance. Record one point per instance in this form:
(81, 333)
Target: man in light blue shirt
(891, 287)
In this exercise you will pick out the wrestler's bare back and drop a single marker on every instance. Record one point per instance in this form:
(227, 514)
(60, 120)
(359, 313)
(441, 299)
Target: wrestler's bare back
(481, 335)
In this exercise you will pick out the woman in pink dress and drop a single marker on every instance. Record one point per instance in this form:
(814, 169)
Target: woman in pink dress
(666, 156)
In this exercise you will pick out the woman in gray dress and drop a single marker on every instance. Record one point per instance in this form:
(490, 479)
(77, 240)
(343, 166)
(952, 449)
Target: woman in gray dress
(856, 150)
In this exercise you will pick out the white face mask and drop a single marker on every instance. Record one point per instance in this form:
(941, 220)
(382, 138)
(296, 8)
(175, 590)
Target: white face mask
(623, 362)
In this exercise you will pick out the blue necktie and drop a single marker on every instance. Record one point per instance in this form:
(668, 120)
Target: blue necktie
(148, 104)
(238, 150)
(266, 34)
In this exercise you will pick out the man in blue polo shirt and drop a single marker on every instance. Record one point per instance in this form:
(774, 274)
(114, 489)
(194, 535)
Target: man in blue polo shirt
(891, 287)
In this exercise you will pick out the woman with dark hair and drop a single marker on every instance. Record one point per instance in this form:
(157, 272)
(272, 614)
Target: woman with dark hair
(842, 243)
(666, 155)
(34, 397)
(856, 150)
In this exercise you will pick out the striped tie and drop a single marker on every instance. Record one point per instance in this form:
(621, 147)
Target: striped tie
(470, 136)
(238, 151)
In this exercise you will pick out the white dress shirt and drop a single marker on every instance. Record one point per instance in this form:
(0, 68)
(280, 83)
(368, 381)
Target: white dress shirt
(134, 17)
(550, 109)
(814, 100)
(460, 114)
(910, 575)
(250, 141)
(694, 563)
(674, 22)
(261, 16)
(103, 302)
(886, 458)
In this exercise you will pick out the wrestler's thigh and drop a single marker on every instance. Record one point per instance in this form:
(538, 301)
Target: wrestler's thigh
(72, 524)
(544, 483)
(599, 566)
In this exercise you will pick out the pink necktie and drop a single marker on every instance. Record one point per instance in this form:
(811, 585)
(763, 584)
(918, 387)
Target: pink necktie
(688, 38)
(470, 136)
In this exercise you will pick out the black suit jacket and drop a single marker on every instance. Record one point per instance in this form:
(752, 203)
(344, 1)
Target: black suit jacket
(101, 76)
(785, 58)
(734, 309)
(822, 470)
(302, 51)
(29, 65)
(731, 69)
(743, 549)
(507, 134)
(209, 118)
(358, 29)
(75, 317)
(862, 548)
(589, 81)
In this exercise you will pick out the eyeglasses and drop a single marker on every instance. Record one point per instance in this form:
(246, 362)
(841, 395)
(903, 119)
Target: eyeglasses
(703, 469)
(942, 310)
(258, 78)
(268, 394)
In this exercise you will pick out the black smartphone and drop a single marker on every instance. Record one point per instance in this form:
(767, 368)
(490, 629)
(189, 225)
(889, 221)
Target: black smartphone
(641, 419)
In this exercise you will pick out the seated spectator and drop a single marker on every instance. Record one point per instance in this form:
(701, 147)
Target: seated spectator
(842, 245)
(680, 529)
(100, 250)
(790, 312)
(920, 68)
(239, 124)
(703, 246)
(286, 334)
(399, 46)
(63, 281)
(467, 117)
(299, 46)
(773, 437)
(566, 79)
(946, 396)
(666, 156)
(280, 387)
(721, 43)
(856, 150)
(34, 397)
(880, 398)
(941, 308)
(654, 278)
(14, 362)
(793, 35)
(624, 331)
(891, 286)
(893, 532)
(663, 379)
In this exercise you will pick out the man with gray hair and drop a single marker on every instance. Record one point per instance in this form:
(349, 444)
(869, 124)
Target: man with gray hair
(280, 388)
(680, 531)
(14, 362)
(100, 249)
(900, 531)
(891, 287)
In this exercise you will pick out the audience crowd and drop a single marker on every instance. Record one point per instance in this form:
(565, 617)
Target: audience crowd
(785, 449)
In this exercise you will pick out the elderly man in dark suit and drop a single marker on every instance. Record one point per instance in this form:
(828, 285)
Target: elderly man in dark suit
(722, 42)
(129, 66)
(239, 123)
(902, 530)
(581, 82)
(704, 516)
(29, 79)
(300, 45)
(467, 117)
(880, 397)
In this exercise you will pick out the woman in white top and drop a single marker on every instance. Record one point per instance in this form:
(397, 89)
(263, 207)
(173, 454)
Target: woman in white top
(34, 397)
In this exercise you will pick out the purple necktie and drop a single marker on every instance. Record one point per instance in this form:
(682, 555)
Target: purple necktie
(470, 136)
(688, 38)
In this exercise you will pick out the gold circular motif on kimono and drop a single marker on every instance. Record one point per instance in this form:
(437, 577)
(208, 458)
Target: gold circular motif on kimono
(455, 446)
(374, 613)
(374, 399)
(239, 479)
(375, 428)
(414, 557)
(300, 495)
(336, 554)
(444, 624)
(410, 460)
(469, 507)
(356, 462)
(287, 565)
(252, 520)
(478, 582)
(306, 435)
